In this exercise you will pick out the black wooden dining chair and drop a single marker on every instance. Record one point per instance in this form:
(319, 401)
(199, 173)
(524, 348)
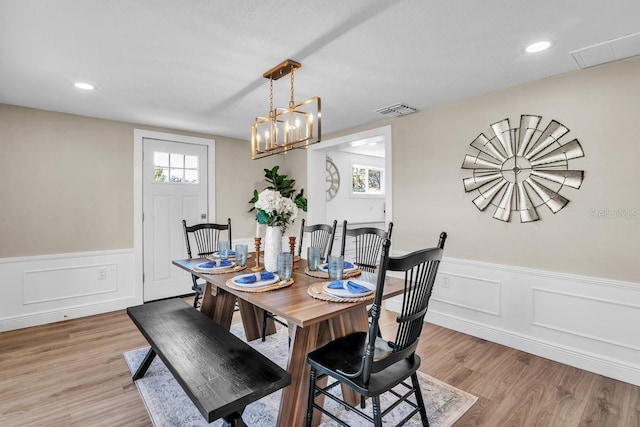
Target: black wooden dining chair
(371, 365)
(206, 237)
(320, 235)
(368, 245)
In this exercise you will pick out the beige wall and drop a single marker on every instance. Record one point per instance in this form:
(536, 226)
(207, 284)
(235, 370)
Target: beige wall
(599, 106)
(67, 182)
(71, 178)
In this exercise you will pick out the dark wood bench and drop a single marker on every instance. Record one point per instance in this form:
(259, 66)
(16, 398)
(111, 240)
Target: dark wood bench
(219, 372)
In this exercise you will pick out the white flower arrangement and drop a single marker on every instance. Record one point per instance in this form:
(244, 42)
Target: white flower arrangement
(275, 210)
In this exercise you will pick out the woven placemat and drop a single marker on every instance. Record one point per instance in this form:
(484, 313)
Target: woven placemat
(277, 285)
(319, 274)
(234, 269)
(317, 291)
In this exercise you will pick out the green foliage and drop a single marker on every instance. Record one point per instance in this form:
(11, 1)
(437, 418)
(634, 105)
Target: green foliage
(284, 185)
(262, 217)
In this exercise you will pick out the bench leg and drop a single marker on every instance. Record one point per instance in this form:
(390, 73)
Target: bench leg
(142, 369)
(234, 420)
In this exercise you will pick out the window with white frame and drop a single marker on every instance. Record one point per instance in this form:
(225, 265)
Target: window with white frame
(367, 180)
(175, 168)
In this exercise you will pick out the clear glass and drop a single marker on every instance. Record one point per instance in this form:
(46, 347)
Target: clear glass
(242, 251)
(175, 168)
(191, 162)
(223, 249)
(313, 258)
(161, 175)
(177, 175)
(375, 179)
(177, 160)
(161, 159)
(285, 265)
(191, 176)
(336, 265)
(358, 176)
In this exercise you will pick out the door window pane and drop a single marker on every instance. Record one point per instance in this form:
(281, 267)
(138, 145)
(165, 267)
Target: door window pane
(176, 160)
(177, 175)
(175, 168)
(191, 162)
(161, 159)
(161, 175)
(190, 176)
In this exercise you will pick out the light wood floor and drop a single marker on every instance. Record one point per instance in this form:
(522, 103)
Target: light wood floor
(73, 374)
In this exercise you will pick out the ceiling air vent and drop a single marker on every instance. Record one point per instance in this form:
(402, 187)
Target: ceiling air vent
(608, 51)
(396, 110)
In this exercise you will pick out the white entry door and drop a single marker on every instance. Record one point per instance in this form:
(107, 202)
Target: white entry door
(174, 187)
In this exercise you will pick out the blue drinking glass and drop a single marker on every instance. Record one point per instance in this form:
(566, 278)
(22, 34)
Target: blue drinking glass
(242, 251)
(223, 249)
(285, 266)
(313, 258)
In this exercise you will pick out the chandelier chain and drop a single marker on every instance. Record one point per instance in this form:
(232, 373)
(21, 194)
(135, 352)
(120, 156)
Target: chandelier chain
(291, 101)
(272, 113)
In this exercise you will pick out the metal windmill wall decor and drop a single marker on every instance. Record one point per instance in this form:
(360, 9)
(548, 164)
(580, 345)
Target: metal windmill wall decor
(522, 168)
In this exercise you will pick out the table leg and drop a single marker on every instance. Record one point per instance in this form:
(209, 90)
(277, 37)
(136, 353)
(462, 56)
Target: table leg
(252, 320)
(293, 405)
(218, 304)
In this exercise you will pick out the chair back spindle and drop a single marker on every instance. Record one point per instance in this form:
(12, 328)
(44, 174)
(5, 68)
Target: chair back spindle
(206, 237)
(320, 235)
(368, 245)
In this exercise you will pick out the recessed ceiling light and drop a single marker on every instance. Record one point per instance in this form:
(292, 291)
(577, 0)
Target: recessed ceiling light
(538, 47)
(85, 86)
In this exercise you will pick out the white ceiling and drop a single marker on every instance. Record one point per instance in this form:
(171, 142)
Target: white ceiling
(197, 64)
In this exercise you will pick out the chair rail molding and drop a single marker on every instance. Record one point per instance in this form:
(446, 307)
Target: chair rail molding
(585, 322)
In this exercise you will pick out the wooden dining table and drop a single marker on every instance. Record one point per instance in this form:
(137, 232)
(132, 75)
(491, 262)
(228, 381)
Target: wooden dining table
(312, 323)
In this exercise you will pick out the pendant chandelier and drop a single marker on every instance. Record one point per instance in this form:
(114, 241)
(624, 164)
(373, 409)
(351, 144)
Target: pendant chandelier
(297, 126)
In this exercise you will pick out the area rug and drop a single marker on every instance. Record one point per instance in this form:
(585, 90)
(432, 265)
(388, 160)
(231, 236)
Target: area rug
(169, 406)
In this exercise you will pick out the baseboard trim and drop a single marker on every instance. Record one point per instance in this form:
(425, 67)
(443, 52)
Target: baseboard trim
(67, 313)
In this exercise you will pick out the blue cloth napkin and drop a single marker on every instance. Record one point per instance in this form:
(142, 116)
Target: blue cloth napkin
(265, 275)
(352, 287)
(346, 265)
(214, 264)
(355, 288)
(208, 264)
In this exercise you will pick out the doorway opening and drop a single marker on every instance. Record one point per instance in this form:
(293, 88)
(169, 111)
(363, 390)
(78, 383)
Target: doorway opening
(346, 163)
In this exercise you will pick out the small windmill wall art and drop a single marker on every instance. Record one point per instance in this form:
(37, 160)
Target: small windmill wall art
(520, 169)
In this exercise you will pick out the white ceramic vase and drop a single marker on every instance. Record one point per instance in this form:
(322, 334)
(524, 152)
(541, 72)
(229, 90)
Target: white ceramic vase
(272, 247)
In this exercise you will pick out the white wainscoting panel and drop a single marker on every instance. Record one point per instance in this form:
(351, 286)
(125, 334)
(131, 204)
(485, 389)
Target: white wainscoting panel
(50, 288)
(571, 313)
(586, 322)
(472, 293)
